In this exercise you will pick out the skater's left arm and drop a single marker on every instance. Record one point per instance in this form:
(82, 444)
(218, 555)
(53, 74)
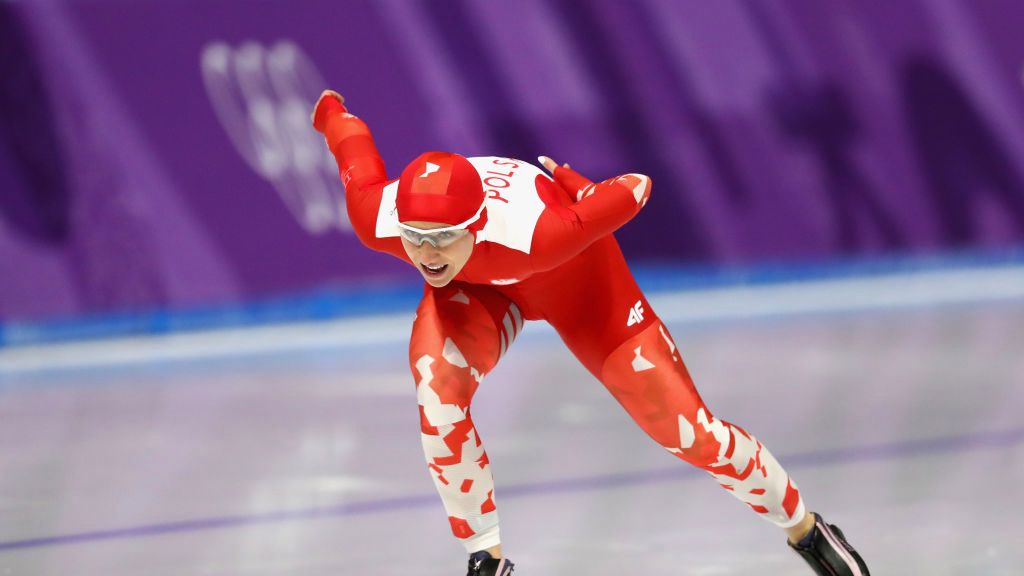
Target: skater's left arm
(564, 231)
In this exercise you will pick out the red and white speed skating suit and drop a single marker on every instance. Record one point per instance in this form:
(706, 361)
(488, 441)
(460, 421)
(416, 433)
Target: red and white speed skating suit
(546, 253)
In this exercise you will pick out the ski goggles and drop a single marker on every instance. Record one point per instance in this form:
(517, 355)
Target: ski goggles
(438, 237)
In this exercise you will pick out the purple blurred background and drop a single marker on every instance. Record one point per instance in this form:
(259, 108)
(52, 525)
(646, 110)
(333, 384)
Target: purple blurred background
(157, 155)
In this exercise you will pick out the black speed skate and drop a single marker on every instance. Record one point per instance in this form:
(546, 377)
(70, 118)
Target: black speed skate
(827, 551)
(481, 564)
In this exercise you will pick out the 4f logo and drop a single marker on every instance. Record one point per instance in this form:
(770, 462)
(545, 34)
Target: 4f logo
(636, 314)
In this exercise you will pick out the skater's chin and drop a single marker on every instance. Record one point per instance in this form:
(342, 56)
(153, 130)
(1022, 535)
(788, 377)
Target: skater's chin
(437, 282)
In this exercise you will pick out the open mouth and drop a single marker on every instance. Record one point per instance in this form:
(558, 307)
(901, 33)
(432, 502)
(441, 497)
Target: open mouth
(434, 270)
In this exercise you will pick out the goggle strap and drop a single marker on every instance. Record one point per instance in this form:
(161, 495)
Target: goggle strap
(461, 226)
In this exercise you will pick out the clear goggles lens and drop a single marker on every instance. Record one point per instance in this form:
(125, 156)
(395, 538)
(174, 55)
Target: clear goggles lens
(441, 239)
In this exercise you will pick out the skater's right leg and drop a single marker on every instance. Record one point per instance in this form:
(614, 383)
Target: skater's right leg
(459, 335)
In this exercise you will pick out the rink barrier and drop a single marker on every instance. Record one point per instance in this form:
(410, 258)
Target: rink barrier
(373, 300)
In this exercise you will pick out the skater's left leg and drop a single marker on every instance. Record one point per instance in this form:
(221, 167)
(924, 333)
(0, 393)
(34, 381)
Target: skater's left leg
(606, 321)
(647, 376)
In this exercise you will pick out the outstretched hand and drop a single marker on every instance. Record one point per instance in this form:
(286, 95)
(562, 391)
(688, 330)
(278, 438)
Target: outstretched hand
(325, 94)
(549, 164)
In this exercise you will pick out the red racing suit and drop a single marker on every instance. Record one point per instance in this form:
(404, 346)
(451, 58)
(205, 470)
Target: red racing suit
(547, 253)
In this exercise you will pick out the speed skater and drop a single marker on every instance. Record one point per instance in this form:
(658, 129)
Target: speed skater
(498, 242)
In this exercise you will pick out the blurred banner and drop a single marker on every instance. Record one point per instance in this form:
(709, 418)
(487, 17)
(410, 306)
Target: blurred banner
(158, 154)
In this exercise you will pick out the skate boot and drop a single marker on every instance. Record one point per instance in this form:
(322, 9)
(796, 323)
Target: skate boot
(827, 551)
(481, 564)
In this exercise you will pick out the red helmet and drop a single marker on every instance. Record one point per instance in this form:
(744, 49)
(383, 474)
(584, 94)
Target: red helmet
(441, 187)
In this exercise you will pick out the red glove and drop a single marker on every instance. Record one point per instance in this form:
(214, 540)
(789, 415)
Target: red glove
(330, 102)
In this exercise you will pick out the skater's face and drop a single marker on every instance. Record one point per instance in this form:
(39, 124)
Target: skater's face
(442, 262)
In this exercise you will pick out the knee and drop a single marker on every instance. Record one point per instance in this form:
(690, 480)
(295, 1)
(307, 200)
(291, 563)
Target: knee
(444, 390)
(702, 454)
(704, 441)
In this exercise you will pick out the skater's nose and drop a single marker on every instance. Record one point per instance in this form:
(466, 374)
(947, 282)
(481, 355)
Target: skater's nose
(427, 250)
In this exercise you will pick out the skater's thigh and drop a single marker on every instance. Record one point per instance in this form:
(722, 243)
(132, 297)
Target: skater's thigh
(460, 333)
(599, 305)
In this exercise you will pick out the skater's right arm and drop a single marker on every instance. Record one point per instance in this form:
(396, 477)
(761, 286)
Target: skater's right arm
(360, 166)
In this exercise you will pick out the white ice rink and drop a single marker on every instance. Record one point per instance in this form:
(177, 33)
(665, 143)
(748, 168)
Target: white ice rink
(896, 403)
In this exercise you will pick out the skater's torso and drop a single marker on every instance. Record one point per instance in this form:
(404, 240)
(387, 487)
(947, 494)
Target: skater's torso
(521, 202)
(545, 243)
